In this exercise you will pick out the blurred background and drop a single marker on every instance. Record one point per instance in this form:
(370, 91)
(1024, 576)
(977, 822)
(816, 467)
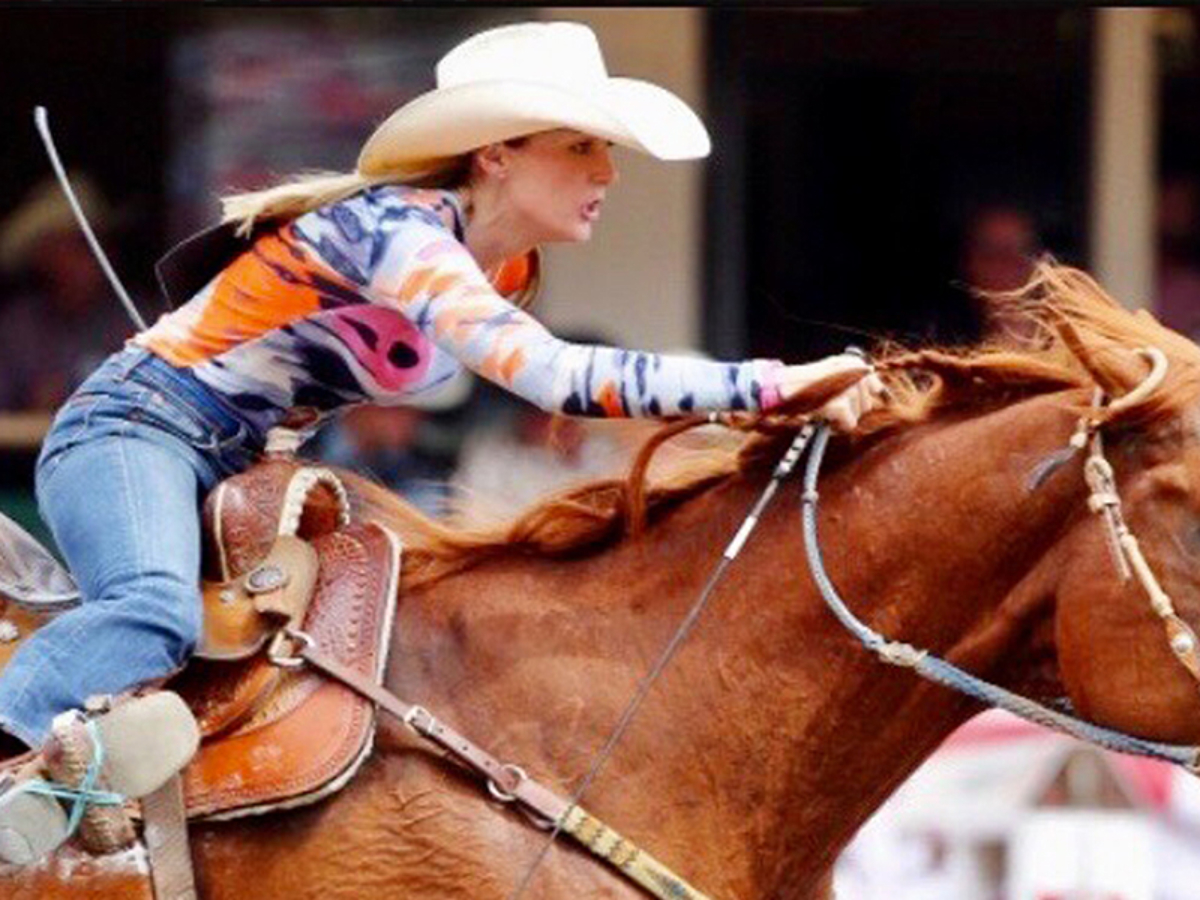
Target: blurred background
(872, 166)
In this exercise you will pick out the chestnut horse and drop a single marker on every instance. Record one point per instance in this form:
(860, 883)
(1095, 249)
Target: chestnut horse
(773, 735)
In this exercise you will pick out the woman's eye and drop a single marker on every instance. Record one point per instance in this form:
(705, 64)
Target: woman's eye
(582, 148)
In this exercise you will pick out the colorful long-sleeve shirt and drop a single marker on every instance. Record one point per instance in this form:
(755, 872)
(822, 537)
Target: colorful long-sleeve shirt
(376, 299)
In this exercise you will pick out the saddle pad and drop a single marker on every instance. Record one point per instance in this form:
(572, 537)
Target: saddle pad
(309, 735)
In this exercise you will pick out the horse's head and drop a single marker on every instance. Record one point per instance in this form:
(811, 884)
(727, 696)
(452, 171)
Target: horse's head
(1127, 598)
(1114, 648)
(1112, 630)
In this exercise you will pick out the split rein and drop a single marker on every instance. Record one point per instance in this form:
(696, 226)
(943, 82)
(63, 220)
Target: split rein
(509, 783)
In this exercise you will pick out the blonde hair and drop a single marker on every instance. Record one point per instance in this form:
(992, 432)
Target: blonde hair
(311, 190)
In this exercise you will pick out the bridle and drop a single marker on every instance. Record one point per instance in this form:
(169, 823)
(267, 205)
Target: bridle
(1104, 501)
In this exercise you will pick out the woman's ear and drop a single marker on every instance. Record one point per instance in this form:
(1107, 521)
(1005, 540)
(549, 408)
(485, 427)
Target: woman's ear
(492, 160)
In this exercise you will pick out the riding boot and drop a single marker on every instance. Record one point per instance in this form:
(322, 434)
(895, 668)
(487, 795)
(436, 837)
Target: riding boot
(87, 770)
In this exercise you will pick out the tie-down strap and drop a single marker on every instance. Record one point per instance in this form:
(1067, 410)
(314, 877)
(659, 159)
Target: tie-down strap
(506, 782)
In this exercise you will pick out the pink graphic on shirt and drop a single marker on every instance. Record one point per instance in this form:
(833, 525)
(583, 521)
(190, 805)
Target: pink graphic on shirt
(385, 343)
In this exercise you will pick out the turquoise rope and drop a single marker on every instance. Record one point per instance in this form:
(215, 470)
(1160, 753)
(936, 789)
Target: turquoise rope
(83, 795)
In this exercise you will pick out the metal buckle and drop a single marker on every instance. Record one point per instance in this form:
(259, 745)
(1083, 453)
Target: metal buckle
(293, 658)
(409, 718)
(265, 578)
(502, 795)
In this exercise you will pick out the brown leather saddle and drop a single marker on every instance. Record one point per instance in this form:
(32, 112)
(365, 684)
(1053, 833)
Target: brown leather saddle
(280, 550)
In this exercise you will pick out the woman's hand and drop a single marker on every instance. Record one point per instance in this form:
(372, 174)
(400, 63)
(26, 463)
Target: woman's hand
(847, 407)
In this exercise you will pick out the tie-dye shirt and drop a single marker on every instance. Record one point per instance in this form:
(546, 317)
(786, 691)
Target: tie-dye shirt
(376, 299)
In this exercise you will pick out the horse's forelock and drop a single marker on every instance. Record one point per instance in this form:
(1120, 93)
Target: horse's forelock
(1098, 339)
(1082, 338)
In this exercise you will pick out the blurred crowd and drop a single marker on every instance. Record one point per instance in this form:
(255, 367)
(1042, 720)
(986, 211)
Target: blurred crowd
(474, 444)
(58, 316)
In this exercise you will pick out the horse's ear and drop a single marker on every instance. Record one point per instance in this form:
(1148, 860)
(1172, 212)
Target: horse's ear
(1116, 369)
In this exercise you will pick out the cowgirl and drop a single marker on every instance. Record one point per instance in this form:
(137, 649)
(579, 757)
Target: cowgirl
(374, 286)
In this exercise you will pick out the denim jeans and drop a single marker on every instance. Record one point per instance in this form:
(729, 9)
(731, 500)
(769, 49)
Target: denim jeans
(120, 480)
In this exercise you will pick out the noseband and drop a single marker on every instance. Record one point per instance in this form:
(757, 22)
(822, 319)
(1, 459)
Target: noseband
(1105, 502)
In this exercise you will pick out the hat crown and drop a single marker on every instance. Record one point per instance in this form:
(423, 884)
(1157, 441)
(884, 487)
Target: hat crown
(555, 53)
(521, 79)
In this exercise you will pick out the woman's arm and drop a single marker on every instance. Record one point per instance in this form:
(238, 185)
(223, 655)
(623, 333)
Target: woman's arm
(440, 288)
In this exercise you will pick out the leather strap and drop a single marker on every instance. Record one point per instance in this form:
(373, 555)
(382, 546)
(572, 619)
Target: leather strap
(506, 782)
(167, 842)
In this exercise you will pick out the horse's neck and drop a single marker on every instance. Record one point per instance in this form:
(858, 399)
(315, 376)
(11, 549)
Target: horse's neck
(936, 537)
(773, 735)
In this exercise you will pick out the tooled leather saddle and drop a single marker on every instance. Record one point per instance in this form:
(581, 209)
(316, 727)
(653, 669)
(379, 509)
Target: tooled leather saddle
(280, 551)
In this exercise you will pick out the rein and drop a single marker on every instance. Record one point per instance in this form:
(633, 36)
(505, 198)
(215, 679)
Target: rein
(1105, 502)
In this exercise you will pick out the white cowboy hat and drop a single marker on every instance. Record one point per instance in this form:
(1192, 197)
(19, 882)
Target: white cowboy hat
(520, 79)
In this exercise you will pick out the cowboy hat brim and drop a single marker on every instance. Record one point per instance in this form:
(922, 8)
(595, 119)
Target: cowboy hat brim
(451, 121)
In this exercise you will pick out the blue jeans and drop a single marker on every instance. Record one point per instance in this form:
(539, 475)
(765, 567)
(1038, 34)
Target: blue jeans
(120, 480)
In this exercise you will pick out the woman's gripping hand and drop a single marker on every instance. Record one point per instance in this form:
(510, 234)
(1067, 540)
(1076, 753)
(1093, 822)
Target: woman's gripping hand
(862, 392)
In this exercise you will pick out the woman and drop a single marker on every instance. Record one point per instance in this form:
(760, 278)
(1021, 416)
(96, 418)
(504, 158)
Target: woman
(374, 286)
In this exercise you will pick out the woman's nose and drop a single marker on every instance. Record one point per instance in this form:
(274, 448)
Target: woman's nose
(606, 170)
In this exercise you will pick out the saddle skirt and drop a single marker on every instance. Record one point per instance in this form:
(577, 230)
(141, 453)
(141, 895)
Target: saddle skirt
(272, 736)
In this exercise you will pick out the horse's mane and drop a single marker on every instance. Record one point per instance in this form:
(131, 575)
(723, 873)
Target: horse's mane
(1080, 339)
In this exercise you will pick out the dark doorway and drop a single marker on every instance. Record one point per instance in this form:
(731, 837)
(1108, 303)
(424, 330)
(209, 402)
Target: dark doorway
(855, 146)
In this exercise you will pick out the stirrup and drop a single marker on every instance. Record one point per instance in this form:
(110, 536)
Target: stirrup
(93, 767)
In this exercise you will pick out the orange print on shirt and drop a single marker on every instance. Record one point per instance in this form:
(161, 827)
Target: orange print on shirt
(513, 364)
(416, 283)
(250, 298)
(610, 398)
(502, 366)
(463, 313)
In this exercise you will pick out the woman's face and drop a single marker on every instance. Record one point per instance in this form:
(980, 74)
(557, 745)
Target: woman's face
(553, 183)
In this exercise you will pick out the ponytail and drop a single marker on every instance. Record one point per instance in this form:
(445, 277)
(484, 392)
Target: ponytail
(304, 193)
